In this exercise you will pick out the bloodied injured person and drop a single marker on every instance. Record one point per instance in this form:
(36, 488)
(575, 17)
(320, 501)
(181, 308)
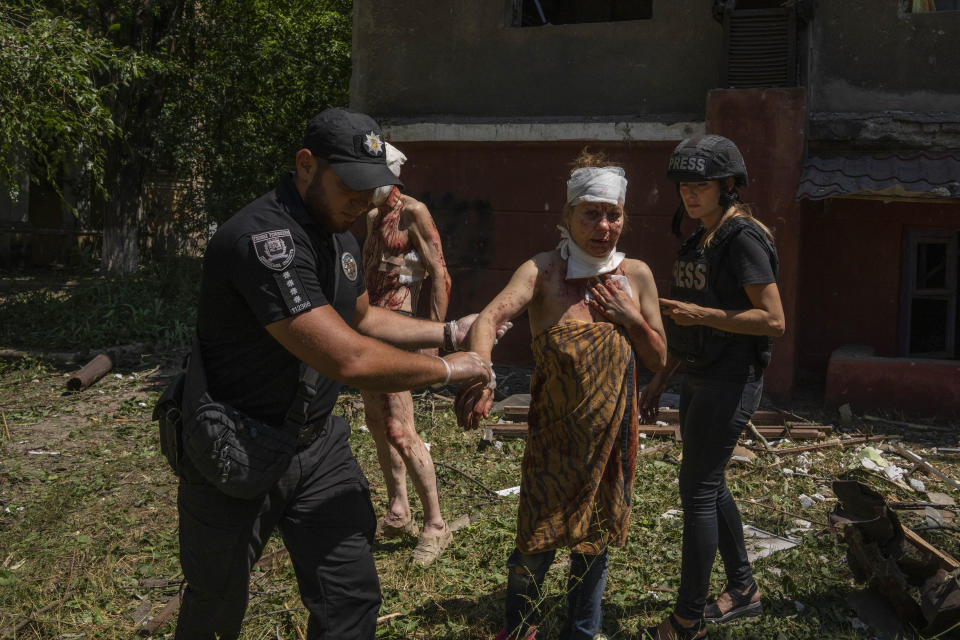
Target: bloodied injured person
(593, 313)
(402, 251)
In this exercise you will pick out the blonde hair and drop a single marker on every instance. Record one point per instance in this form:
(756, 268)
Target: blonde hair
(589, 158)
(736, 210)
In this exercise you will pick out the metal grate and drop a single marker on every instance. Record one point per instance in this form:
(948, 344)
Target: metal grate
(759, 48)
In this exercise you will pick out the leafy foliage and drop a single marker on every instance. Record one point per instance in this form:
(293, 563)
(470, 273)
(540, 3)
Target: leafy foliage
(56, 81)
(254, 73)
(214, 93)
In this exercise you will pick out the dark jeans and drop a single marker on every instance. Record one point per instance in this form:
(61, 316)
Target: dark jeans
(585, 584)
(322, 507)
(713, 412)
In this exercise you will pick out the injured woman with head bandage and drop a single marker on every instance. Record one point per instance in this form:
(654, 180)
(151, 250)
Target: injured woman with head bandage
(593, 314)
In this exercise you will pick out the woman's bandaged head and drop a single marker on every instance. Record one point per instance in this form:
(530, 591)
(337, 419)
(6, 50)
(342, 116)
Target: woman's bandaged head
(597, 184)
(395, 160)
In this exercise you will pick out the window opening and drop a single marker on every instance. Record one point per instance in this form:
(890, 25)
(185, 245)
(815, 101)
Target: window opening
(931, 322)
(536, 13)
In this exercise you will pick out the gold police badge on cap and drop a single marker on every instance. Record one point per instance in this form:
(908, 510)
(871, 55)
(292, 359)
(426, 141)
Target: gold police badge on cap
(349, 264)
(373, 143)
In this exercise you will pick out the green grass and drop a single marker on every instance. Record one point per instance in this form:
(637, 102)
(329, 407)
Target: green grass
(154, 306)
(89, 536)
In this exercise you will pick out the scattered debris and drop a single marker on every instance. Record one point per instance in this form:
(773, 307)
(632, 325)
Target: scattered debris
(152, 625)
(671, 514)
(90, 373)
(509, 491)
(914, 458)
(846, 414)
(873, 610)
(43, 453)
(761, 544)
(908, 425)
(875, 552)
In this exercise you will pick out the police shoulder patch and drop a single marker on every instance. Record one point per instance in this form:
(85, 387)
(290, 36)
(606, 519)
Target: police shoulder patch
(274, 249)
(291, 289)
(349, 264)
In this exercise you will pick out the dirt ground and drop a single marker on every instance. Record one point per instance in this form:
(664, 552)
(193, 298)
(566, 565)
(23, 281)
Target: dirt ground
(88, 535)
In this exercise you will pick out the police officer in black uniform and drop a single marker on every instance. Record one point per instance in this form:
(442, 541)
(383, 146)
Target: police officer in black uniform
(282, 291)
(723, 310)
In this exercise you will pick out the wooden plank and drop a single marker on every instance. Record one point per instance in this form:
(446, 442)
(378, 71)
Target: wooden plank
(947, 562)
(509, 430)
(759, 417)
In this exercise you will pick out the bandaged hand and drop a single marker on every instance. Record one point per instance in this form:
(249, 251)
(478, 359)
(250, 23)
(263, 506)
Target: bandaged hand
(460, 327)
(613, 302)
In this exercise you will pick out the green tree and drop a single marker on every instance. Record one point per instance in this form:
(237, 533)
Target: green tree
(255, 72)
(54, 107)
(217, 91)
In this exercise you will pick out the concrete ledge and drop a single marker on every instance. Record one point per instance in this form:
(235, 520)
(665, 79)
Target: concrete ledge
(918, 385)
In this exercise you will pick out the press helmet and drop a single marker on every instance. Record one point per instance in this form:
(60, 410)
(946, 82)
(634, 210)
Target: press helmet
(703, 158)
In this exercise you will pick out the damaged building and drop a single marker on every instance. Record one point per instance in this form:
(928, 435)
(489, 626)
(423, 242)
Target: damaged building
(847, 111)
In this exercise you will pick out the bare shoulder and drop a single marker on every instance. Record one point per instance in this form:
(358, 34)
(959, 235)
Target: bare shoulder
(414, 208)
(637, 270)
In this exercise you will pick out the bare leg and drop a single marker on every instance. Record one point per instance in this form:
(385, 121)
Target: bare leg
(390, 420)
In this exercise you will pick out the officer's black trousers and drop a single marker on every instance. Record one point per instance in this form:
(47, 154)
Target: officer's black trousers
(713, 412)
(327, 525)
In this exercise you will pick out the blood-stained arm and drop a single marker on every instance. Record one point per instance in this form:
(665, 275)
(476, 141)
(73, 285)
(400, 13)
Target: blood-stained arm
(475, 397)
(426, 240)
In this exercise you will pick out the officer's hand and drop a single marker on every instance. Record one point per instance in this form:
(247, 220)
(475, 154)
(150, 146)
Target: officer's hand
(462, 328)
(467, 365)
(685, 314)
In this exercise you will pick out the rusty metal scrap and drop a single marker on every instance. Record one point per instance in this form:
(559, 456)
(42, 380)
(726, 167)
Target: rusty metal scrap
(878, 556)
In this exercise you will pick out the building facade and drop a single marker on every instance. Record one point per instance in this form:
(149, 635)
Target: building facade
(846, 111)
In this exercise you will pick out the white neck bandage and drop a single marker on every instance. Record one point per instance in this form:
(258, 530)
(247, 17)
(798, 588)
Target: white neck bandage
(581, 264)
(395, 160)
(597, 184)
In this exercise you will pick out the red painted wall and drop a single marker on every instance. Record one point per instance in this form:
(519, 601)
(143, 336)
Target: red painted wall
(851, 273)
(767, 125)
(496, 204)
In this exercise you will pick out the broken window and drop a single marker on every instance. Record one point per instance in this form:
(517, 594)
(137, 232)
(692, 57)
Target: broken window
(536, 13)
(930, 280)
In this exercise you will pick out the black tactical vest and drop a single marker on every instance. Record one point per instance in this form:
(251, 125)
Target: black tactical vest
(695, 276)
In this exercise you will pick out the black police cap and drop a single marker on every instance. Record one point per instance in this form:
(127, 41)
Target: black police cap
(352, 143)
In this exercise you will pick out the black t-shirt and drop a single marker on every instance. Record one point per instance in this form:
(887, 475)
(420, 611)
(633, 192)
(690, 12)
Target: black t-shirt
(747, 262)
(715, 276)
(268, 262)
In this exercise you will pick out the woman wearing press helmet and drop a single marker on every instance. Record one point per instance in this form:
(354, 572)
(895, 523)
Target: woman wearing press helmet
(724, 308)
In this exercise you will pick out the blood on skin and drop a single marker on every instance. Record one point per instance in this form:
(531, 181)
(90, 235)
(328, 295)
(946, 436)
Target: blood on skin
(388, 239)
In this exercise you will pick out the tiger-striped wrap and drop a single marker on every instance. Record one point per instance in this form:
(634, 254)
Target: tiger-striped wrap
(578, 466)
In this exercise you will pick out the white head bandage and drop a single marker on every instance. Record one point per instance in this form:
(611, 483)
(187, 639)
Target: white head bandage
(596, 184)
(581, 264)
(395, 160)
